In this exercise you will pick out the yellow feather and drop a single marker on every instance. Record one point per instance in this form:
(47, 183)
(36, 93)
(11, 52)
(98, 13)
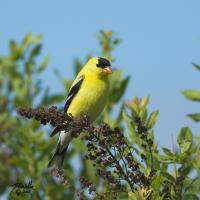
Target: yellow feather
(89, 100)
(93, 93)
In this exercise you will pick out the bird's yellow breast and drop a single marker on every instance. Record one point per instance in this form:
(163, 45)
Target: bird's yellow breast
(91, 98)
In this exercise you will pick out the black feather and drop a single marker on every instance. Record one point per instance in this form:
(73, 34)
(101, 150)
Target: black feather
(102, 62)
(55, 131)
(57, 158)
(72, 93)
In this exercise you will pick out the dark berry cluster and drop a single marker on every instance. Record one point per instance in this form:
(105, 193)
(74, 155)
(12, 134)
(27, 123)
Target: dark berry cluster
(61, 175)
(113, 158)
(87, 184)
(60, 120)
(147, 141)
(50, 115)
(110, 151)
(143, 133)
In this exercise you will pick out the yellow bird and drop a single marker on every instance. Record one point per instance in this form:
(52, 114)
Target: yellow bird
(88, 95)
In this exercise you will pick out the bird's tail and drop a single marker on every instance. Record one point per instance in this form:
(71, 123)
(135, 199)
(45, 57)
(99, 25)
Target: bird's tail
(59, 155)
(57, 158)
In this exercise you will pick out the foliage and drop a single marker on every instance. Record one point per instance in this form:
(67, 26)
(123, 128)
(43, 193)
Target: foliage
(118, 156)
(193, 95)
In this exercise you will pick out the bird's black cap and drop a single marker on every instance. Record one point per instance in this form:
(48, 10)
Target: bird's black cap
(102, 62)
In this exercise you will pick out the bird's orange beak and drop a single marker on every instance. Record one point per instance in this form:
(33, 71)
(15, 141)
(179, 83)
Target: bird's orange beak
(107, 70)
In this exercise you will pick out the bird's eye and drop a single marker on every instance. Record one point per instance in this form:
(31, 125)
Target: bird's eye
(102, 62)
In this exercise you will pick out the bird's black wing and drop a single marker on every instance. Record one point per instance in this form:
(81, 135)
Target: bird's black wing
(72, 93)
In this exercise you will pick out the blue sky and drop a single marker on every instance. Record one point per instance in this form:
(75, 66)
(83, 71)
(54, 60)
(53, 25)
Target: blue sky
(160, 41)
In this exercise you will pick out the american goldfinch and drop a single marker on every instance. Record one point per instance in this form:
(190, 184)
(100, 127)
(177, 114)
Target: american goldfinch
(88, 95)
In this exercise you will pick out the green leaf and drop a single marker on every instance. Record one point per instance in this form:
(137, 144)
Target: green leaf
(116, 41)
(169, 177)
(28, 39)
(193, 95)
(43, 64)
(167, 152)
(89, 170)
(158, 179)
(131, 127)
(13, 46)
(190, 197)
(169, 157)
(194, 116)
(152, 119)
(36, 50)
(196, 66)
(31, 39)
(117, 86)
(15, 50)
(143, 114)
(126, 118)
(79, 145)
(185, 139)
(132, 196)
(144, 102)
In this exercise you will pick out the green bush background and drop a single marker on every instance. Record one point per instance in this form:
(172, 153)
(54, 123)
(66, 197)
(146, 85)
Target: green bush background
(25, 146)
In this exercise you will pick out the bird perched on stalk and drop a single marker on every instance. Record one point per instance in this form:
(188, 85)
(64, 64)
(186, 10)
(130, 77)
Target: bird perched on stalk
(87, 96)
